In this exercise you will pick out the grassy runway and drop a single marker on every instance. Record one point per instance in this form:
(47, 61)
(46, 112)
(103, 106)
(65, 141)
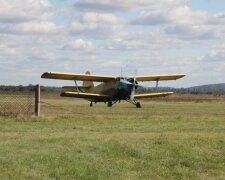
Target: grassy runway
(163, 140)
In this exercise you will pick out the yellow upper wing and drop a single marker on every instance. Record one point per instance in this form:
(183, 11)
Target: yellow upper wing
(100, 78)
(159, 77)
(81, 77)
(152, 95)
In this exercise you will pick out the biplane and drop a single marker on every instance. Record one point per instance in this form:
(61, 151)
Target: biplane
(111, 89)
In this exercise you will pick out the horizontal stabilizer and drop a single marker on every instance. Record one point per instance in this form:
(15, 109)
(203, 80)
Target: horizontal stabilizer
(89, 96)
(152, 95)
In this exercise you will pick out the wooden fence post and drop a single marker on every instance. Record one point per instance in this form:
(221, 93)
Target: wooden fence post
(37, 100)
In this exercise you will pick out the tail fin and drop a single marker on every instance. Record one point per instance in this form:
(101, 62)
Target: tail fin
(89, 84)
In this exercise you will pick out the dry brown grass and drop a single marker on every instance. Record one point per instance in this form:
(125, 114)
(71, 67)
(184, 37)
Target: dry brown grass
(192, 98)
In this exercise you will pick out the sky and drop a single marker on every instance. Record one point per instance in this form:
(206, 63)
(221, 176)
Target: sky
(104, 36)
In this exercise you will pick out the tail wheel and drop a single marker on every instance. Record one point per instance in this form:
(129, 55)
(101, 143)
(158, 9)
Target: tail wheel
(138, 105)
(91, 104)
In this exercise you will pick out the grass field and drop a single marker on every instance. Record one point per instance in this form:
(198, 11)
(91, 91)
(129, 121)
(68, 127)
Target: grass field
(163, 140)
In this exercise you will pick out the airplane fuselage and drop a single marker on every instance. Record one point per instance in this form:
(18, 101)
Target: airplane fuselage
(118, 90)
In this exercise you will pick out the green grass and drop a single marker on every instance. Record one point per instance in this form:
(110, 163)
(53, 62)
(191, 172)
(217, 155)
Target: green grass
(163, 140)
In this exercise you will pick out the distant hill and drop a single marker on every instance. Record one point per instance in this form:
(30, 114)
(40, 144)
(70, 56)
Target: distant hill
(204, 89)
(210, 88)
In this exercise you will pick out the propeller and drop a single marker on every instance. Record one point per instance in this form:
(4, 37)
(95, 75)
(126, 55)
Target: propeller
(134, 84)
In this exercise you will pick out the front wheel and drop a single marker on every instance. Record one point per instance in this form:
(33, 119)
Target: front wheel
(138, 105)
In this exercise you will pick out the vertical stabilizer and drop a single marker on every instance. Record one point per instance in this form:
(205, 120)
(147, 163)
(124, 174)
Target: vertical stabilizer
(88, 83)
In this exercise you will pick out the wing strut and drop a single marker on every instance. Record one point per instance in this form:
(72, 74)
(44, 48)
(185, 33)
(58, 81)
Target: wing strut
(157, 84)
(76, 86)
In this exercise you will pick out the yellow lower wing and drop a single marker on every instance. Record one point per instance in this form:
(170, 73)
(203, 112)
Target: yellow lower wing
(152, 95)
(89, 96)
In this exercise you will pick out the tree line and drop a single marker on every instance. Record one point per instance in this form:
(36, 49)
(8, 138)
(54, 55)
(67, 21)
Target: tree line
(205, 89)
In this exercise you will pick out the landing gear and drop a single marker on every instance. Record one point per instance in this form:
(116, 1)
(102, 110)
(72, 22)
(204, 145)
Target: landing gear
(138, 105)
(110, 104)
(91, 104)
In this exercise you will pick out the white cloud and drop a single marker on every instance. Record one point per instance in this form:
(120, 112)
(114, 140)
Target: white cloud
(180, 15)
(183, 23)
(192, 32)
(24, 10)
(94, 30)
(103, 18)
(117, 5)
(79, 44)
(215, 56)
(97, 25)
(27, 17)
(31, 27)
(143, 40)
(220, 15)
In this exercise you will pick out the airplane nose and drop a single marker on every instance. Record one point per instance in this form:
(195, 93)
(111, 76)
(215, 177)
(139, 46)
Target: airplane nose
(126, 82)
